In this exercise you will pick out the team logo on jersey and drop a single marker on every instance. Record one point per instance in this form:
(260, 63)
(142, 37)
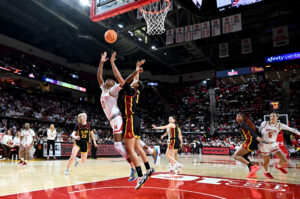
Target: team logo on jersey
(115, 126)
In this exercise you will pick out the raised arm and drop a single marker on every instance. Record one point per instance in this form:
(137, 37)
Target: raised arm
(100, 69)
(138, 65)
(117, 73)
(163, 127)
(133, 75)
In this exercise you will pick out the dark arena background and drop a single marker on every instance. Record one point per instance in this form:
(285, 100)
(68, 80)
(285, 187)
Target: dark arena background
(218, 113)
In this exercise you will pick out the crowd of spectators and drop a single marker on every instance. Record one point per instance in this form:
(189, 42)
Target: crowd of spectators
(252, 98)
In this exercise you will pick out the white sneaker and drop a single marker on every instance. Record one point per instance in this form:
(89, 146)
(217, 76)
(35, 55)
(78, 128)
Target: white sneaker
(67, 172)
(178, 168)
(140, 182)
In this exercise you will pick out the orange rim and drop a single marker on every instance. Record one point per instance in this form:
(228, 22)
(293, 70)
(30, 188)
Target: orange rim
(157, 12)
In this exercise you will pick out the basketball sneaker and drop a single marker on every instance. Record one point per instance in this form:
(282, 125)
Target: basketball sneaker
(76, 161)
(253, 171)
(25, 164)
(155, 155)
(268, 175)
(20, 162)
(170, 168)
(133, 175)
(141, 181)
(283, 170)
(178, 167)
(149, 173)
(67, 172)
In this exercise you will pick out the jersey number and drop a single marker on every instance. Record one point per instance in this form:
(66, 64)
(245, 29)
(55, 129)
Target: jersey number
(103, 104)
(270, 135)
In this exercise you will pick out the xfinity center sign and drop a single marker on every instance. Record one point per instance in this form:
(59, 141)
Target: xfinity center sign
(283, 57)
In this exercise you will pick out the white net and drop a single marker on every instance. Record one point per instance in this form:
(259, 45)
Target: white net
(155, 15)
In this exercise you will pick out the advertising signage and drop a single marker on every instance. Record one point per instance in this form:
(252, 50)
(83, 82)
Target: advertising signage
(63, 84)
(283, 57)
(233, 72)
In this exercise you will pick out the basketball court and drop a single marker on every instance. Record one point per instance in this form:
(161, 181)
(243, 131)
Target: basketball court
(203, 176)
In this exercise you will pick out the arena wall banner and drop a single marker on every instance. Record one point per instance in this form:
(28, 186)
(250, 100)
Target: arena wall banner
(57, 150)
(216, 150)
(102, 150)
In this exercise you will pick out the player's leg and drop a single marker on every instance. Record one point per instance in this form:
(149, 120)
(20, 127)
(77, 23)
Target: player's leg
(154, 152)
(27, 149)
(21, 155)
(238, 155)
(143, 155)
(72, 158)
(283, 161)
(266, 159)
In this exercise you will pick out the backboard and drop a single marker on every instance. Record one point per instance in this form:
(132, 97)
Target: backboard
(103, 9)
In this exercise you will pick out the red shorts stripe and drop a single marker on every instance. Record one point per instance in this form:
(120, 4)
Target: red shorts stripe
(129, 133)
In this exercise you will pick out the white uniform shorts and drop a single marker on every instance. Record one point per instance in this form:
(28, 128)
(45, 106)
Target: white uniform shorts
(266, 149)
(117, 125)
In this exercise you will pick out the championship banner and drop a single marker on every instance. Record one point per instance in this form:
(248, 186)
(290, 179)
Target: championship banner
(170, 37)
(179, 35)
(215, 150)
(223, 50)
(280, 36)
(57, 150)
(205, 29)
(197, 31)
(246, 46)
(188, 33)
(227, 24)
(236, 21)
(215, 27)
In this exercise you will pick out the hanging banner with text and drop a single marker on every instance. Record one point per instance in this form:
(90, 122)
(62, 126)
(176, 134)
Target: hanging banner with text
(280, 36)
(246, 46)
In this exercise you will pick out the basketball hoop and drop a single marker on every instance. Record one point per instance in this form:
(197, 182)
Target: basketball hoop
(155, 15)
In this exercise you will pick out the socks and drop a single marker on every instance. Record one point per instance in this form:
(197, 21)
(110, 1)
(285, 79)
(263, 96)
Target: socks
(147, 165)
(139, 171)
(249, 166)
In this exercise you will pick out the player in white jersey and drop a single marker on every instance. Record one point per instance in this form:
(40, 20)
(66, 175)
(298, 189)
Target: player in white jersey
(27, 139)
(270, 130)
(109, 97)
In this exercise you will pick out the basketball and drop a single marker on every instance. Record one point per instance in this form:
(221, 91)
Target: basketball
(110, 36)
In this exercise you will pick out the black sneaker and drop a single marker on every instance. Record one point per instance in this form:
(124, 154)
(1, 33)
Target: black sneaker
(148, 174)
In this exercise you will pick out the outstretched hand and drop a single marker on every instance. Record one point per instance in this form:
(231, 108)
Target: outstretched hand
(103, 57)
(139, 63)
(153, 126)
(113, 57)
(140, 70)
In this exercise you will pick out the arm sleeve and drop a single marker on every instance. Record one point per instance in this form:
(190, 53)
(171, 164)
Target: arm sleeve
(115, 90)
(252, 132)
(48, 132)
(285, 127)
(128, 90)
